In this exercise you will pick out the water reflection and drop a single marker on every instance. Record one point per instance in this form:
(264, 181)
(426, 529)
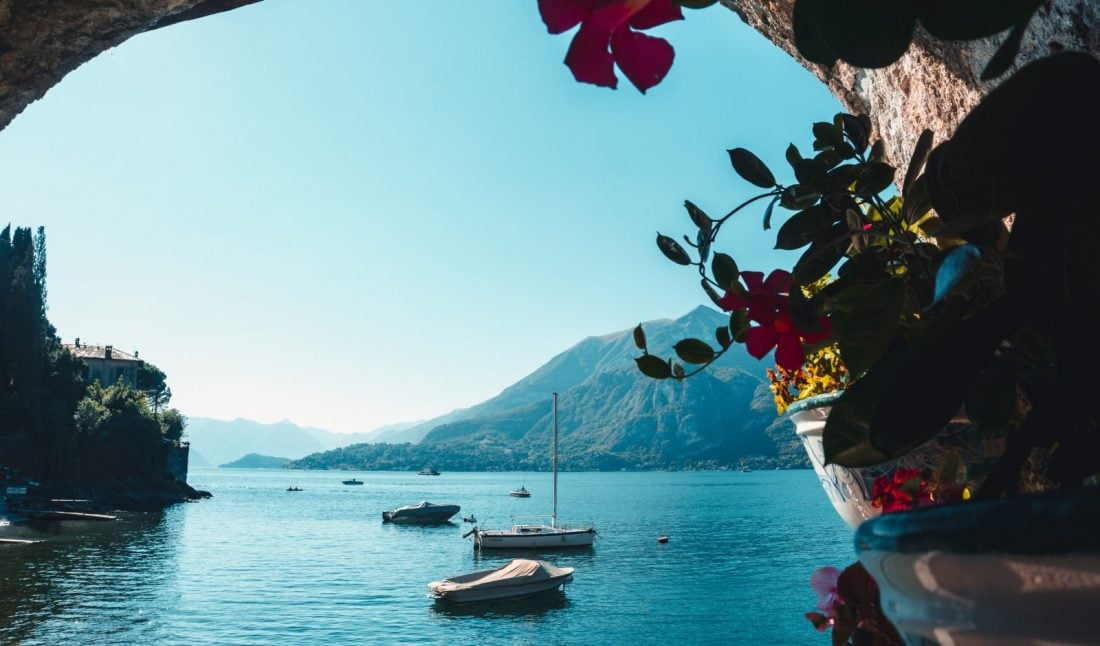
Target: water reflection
(82, 573)
(529, 606)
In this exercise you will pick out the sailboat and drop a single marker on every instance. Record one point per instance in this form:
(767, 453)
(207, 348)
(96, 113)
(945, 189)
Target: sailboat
(537, 535)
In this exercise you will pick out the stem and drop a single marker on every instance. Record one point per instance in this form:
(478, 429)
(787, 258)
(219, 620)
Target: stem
(719, 222)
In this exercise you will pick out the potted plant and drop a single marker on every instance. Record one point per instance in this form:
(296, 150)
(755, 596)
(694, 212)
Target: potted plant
(969, 291)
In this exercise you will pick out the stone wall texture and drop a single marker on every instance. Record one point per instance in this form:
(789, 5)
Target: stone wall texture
(933, 85)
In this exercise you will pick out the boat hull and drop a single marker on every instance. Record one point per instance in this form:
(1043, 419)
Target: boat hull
(509, 592)
(421, 515)
(517, 578)
(540, 538)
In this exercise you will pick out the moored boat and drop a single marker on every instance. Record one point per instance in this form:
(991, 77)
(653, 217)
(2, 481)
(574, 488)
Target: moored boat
(516, 578)
(520, 493)
(353, 481)
(533, 535)
(423, 513)
(428, 471)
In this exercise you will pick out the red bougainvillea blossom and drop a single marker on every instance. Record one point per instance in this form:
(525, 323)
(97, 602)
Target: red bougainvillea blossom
(607, 37)
(766, 301)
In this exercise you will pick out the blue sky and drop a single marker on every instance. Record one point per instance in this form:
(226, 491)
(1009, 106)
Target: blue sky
(352, 214)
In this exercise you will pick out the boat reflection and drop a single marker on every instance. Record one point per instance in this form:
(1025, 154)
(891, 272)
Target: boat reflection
(529, 606)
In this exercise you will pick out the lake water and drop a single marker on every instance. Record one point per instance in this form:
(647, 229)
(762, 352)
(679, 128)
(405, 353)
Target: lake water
(256, 564)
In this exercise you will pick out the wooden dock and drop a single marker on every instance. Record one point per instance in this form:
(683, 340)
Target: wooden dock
(55, 514)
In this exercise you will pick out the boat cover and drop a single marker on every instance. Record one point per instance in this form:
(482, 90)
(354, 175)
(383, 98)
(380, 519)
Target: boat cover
(511, 573)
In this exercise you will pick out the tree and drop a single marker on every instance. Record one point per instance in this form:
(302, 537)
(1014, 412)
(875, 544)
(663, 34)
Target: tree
(151, 380)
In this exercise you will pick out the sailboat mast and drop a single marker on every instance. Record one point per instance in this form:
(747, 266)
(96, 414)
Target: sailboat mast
(554, 518)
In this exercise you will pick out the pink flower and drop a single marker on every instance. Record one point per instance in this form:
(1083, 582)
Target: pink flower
(766, 301)
(824, 582)
(606, 37)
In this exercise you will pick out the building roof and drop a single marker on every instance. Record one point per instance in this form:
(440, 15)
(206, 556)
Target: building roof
(85, 351)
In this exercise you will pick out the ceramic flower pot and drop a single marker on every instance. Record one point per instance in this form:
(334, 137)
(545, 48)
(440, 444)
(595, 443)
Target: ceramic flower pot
(846, 488)
(849, 490)
(1015, 570)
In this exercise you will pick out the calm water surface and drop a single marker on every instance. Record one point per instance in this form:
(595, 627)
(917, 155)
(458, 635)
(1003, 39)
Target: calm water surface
(256, 564)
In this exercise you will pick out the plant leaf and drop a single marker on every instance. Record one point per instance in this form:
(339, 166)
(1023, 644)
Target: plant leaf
(798, 197)
(723, 337)
(749, 167)
(725, 270)
(698, 217)
(639, 337)
(802, 228)
(711, 294)
(916, 162)
(869, 328)
(807, 33)
(866, 33)
(793, 156)
(768, 212)
(696, 4)
(874, 178)
(654, 367)
(694, 351)
(672, 250)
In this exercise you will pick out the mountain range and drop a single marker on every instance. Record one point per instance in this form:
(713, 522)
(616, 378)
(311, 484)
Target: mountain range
(610, 415)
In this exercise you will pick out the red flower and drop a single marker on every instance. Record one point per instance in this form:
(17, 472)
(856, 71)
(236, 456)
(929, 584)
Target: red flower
(906, 490)
(766, 301)
(606, 37)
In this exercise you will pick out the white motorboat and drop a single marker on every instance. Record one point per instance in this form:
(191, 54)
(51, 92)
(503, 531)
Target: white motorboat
(516, 578)
(423, 513)
(537, 535)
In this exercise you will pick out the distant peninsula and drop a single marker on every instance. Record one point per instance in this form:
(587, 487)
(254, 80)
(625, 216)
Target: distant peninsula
(257, 461)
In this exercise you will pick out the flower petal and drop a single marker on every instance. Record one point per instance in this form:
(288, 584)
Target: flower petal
(778, 281)
(562, 15)
(732, 301)
(589, 59)
(657, 12)
(823, 581)
(760, 340)
(644, 59)
(789, 354)
(753, 279)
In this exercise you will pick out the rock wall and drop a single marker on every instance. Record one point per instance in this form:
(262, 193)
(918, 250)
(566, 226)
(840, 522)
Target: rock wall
(43, 40)
(933, 86)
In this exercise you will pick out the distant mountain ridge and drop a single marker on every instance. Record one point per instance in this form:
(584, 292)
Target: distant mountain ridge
(221, 441)
(610, 415)
(592, 355)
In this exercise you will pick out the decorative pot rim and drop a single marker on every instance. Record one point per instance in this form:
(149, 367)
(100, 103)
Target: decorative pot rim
(1047, 523)
(814, 401)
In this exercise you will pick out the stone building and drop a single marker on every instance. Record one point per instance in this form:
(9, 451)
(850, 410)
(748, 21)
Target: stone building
(106, 364)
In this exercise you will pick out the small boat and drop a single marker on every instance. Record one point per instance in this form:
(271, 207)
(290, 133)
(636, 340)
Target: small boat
(520, 493)
(353, 481)
(662, 539)
(516, 578)
(428, 471)
(423, 513)
(296, 488)
(538, 534)
(469, 519)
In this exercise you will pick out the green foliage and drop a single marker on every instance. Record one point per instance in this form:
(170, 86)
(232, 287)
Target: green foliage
(52, 429)
(885, 260)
